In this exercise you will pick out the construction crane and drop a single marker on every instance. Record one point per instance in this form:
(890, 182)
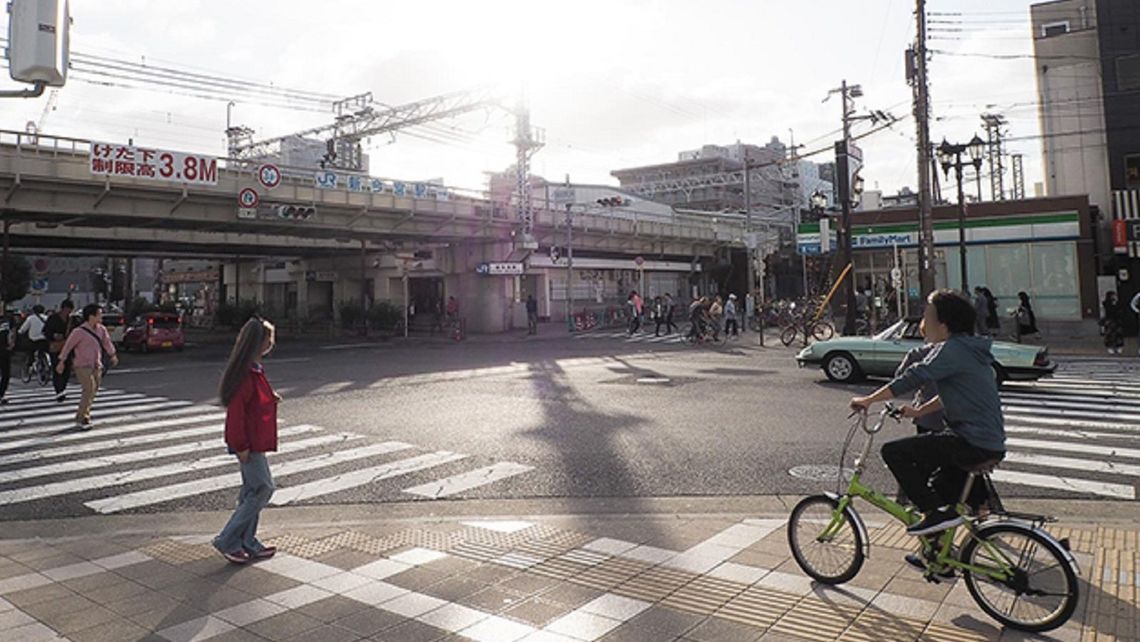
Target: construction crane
(356, 119)
(35, 127)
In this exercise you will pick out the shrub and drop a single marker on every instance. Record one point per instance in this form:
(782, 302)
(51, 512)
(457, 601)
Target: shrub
(384, 315)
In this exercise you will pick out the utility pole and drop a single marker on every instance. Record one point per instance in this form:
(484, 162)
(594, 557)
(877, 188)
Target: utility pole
(843, 166)
(916, 74)
(996, 155)
(569, 261)
(749, 239)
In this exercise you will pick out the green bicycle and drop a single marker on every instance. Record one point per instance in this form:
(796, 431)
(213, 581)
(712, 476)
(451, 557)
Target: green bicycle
(1016, 571)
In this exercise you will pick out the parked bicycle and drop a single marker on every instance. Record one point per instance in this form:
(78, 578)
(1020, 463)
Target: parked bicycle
(806, 327)
(1013, 568)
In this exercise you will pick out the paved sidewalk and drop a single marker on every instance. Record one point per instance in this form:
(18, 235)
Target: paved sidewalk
(676, 572)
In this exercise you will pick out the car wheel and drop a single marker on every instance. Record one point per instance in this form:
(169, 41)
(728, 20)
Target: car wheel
(842, 367)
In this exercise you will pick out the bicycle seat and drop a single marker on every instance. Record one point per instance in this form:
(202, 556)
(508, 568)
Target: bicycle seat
(983, 467)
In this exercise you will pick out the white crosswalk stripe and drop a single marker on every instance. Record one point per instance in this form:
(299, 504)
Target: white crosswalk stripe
(148, 451)
(623, 335)
(1074, 432)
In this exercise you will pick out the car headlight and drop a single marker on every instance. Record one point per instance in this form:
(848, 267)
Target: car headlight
(805, 353)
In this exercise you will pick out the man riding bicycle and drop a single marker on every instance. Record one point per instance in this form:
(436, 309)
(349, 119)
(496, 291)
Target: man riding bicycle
(962, 367)
(33, 327)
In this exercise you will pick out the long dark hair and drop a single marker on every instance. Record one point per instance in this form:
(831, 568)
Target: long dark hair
(247, 347)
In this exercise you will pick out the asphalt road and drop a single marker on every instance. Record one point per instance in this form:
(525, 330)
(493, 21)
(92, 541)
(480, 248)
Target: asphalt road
(569, 418)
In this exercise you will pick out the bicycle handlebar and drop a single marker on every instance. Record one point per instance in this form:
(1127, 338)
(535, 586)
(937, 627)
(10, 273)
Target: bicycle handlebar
(889, 410)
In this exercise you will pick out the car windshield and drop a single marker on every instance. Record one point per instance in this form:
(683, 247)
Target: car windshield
(166, 323)
(892, 332)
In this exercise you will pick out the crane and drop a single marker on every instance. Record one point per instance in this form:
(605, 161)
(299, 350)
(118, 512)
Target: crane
(35, 127)
(356, 119)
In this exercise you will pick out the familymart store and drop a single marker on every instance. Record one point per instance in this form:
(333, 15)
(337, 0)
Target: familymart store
(1043, 247)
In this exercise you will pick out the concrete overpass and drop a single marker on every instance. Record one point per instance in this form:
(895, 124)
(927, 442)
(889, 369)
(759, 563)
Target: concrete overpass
(51, 200)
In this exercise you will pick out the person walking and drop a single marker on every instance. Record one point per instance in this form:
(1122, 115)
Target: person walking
(730, 322)
(635, 312)
(7, 344)
(658, 311)
(716, 313)
(993, 321)
(1025, 318)
(251, 431)
(670, 307)
(1135, 305)
(981, 310)
(87, 344)
(1111, 324)
(56, 329)
(531, 314)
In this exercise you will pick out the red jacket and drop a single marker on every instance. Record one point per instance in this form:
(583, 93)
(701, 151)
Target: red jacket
(251, 417)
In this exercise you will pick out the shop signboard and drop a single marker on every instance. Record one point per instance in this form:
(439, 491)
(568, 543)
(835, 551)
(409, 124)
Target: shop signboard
(500, 269)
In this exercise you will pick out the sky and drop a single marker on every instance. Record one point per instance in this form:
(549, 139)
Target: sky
(612, 84)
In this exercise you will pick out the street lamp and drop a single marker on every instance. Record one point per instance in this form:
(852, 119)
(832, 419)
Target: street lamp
(950, 156)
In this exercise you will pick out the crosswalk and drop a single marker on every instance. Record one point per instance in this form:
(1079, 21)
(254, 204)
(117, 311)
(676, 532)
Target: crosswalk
(641, 337)
(1075, 433)
(152, 453)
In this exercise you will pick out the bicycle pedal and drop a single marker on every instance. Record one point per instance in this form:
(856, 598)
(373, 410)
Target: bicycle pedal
(930, 577)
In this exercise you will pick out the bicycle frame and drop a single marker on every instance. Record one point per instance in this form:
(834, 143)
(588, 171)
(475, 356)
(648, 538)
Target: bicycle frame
(944, 543)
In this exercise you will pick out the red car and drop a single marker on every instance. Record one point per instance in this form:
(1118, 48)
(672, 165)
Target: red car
(155, 331)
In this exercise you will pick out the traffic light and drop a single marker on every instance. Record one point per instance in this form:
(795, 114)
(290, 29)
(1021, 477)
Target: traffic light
(613, 201)
(857, 187)
(295, 212)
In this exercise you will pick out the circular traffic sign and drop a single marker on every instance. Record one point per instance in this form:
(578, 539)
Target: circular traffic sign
(268, 175)
(248, 197)
(639, 261)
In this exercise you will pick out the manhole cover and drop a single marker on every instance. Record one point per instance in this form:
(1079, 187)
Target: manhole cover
(653, 379)
(819, 472)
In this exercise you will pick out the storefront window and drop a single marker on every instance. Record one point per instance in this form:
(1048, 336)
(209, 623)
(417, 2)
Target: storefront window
(1055, 284)
(1007, 273)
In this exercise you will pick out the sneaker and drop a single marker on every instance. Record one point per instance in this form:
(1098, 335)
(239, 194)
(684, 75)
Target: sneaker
(264, 554)
(236, 557)
(936, 521)
(4, 401)
(60, 398)
(85, 426)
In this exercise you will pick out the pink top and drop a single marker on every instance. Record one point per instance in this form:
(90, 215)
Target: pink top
(86, 348)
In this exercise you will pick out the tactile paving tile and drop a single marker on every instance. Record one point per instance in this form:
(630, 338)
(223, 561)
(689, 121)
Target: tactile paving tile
(815, 619)
(287, 543)
(558, 568)
(704, 595)
(434, 540)
(758, 607)
(943, 633)
(178, 552)
(874, 625)
(655, 584)
(508, 540)
(478, 551)
(609, 573)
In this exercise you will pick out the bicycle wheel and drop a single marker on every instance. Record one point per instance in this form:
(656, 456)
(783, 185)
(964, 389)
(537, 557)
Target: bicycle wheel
(822, 331)
(831, 560)
(44, 371)
(788, 335)
(1043, 592)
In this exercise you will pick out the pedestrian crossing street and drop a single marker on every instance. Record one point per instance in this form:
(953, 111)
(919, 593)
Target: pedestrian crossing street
(151, 453)
(1075, 433)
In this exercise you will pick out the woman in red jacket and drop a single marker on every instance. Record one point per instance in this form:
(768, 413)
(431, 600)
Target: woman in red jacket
(251, 431)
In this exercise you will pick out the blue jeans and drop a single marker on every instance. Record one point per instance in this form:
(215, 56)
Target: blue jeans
(240, 533)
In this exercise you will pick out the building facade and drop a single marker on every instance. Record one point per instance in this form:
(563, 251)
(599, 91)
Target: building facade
(1045, 247)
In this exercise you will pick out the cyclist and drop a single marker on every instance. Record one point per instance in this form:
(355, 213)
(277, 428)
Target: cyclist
(962, 367)
(33, 327)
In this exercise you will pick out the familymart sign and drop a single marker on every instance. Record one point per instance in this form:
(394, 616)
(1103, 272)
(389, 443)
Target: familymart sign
(1008, 229)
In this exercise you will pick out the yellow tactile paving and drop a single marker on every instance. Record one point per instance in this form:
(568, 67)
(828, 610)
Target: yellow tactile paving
(178, 552)
(758, 607)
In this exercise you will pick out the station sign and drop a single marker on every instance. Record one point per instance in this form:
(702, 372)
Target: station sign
(500, 269)
(130, 161)
(328, 180)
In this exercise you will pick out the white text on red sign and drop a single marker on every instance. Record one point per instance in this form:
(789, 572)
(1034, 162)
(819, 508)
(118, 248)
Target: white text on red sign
(128, 161)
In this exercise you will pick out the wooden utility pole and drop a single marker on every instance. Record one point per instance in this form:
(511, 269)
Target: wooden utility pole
(916, 73)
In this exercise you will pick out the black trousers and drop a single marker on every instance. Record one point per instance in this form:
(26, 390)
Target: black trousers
(670, 327)
(5, 371)
(929, 466)
(730, 326)
(59, 381)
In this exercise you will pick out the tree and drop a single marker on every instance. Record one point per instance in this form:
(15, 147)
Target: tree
(16, 279)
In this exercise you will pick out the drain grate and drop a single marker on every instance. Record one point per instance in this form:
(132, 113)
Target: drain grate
(819, 472)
